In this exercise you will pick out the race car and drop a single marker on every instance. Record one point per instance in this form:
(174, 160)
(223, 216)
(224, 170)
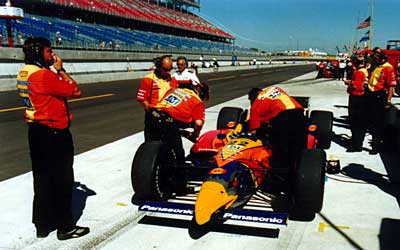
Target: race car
(233, 165)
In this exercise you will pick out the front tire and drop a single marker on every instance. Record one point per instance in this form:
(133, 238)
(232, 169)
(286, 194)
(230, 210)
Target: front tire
(151, 173)
(308, 185)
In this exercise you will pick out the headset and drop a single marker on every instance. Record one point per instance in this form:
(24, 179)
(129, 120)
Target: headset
(33, 49)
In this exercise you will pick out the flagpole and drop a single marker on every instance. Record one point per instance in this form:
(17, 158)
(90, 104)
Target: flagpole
(371, 23)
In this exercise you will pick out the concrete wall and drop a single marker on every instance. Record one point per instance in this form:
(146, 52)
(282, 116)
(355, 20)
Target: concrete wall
(105, 66)
(115, 71)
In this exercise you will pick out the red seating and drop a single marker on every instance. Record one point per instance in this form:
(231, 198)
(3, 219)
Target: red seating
(141, 10)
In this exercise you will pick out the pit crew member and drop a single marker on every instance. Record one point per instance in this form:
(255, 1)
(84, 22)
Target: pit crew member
(381, 83)
(152, 89)
(275, 114)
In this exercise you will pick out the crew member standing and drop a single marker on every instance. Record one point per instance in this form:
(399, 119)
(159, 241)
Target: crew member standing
(48, 116)
(357, 104)
(381, 83)
(276, 113)
(151, 91)
(183, 75)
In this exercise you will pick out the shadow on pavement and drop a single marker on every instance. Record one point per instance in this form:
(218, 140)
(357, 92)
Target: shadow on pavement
(80, 194)
(388, 234)
(391, 162)
(383, 182)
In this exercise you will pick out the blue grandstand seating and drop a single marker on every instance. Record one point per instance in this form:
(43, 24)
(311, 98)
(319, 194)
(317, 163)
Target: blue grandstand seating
(82, 34)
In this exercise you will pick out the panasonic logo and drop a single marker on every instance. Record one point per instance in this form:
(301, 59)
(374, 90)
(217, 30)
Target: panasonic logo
(273, 220)
(166, 210)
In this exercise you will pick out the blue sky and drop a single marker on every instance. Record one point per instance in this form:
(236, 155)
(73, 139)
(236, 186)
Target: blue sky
(303, 24)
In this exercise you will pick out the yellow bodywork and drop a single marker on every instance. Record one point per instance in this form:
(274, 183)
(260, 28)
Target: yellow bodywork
(212, 196)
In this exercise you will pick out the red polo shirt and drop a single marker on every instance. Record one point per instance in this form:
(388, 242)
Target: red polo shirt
(269, 103)
(358, 81)
(382, 78)
(44, 94)
(183, 105)
(152, 89)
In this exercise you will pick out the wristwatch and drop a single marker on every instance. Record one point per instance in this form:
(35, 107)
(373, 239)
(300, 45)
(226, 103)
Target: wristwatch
(59, 70)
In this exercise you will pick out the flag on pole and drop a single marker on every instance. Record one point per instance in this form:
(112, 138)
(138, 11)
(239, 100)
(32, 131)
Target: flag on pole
(366, 23)
(365, 37)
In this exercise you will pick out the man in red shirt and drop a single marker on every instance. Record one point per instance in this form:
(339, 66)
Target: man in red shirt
(381, 83)
(48, 116)
(279, 117)
(357, 104)
(152, 89)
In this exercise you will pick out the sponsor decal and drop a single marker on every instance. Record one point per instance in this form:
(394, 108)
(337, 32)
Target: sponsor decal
(312, 128)
(168, 208)
(231, 214)
(217, 171)
(266, 218)
(231, 124)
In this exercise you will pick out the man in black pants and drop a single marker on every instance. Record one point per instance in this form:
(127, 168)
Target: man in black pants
(381, 83)
(48, 116)
(273, 112)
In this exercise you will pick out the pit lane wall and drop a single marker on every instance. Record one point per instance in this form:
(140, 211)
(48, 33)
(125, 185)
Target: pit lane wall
(106, 66)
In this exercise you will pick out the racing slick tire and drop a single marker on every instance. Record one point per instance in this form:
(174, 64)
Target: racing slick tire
(324, 122)
(308, 184)
(228, 117)
(151, 173)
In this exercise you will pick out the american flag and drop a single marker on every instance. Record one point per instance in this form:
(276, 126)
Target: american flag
(364, 24)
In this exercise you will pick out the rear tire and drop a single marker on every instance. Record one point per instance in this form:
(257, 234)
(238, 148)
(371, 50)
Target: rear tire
(228, 117)
(324, 122)
(308, 185)
(151, 173)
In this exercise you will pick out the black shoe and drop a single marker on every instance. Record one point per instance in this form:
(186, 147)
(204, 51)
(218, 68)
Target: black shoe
(373, 152)
(43, 232)
(75, 232)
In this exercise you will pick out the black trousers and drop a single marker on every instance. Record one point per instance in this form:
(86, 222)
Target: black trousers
(358, 119)
(288, 138)
(376, 117)
(151, 127)
(52, 155)
(166, 129)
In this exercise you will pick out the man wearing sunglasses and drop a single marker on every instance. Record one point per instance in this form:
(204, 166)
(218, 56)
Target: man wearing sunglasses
(152, 89)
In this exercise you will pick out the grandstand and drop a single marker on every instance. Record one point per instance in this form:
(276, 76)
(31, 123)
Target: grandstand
(127, 25)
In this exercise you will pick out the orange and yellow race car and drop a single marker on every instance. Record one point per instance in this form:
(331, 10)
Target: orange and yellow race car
(232, 165)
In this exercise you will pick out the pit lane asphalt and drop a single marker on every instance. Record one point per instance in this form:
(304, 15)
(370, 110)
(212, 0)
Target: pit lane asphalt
(108, 111)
